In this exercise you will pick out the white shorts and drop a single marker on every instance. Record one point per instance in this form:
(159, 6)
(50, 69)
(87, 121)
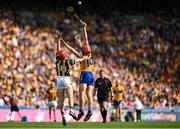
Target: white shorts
(52, 103)
(63, 82)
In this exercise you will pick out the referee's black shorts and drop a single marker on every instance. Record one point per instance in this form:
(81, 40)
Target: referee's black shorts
(102, 99)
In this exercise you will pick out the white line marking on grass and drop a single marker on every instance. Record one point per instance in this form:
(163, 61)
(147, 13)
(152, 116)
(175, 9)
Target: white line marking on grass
(84, 128)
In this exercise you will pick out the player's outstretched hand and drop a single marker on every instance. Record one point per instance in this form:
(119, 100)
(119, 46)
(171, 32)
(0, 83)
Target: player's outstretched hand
(84, 24)
(59, 34)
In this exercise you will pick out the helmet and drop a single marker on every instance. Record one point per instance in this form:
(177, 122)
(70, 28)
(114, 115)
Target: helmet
(61, 54)
(86, 49)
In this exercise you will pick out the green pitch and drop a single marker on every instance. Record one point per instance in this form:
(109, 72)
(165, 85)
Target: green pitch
(93, 125)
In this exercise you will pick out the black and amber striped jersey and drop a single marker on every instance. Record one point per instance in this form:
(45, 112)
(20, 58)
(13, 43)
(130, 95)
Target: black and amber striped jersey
(52, 94)
(63, 66)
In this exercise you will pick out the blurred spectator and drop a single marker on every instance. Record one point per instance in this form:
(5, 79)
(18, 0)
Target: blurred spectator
(2, 103)
(138, 106)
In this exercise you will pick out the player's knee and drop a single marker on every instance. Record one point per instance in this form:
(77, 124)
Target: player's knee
(82, 93)
(82, 87)
(89, 95)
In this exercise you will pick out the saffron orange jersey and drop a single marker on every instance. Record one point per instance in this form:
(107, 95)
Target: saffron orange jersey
(118, 92)
(87, 64)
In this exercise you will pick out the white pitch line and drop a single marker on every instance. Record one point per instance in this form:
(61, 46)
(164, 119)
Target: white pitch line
(87, 128)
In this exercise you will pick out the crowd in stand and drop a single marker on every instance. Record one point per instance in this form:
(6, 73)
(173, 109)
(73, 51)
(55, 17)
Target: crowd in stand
(144, 57)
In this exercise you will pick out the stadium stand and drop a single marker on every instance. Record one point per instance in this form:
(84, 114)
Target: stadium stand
(140, 48)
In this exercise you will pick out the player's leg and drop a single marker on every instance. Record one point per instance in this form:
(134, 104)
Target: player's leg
(89, 93)
(61, 104)
(116, 109)
(50, 112)
(119, 111)
(61, 84)
(54, 112)
(11, 112)
(55, 107)
(19, 115)
(69, 92)
(82, 91)
(17, 110)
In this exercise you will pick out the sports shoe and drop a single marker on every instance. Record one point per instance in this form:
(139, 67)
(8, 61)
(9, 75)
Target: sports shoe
(80, 115)
(64, 121)
(88, 116)
(73, 115)
(103, 121)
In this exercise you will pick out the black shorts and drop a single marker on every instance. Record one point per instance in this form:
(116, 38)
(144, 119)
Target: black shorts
(102, 99)
(117, 102)
(14, 108)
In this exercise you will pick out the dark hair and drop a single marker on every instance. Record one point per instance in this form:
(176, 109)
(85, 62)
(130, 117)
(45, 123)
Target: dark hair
(102, 70)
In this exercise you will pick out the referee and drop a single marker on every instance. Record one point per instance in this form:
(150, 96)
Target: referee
(103, 87)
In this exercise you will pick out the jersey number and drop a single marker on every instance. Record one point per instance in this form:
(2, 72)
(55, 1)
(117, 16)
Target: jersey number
(89, 62)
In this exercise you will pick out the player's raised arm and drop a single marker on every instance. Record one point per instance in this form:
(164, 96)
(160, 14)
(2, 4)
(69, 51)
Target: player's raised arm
(85, 32)
(81, 58)
(85, 47)
(78, 39)
(71, 49)
(59, 40)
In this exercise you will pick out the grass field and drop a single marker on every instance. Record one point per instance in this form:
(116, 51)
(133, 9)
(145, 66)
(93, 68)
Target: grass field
(93, 125)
